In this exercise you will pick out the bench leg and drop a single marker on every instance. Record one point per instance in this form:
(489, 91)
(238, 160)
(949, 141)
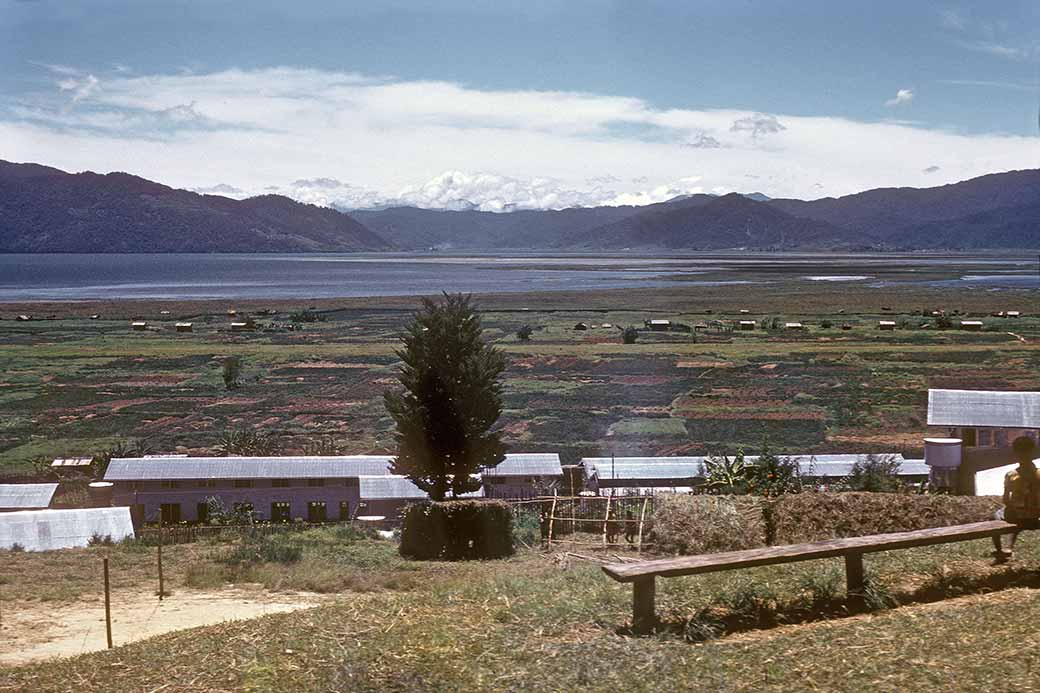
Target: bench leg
(854, 579)
(643, 617)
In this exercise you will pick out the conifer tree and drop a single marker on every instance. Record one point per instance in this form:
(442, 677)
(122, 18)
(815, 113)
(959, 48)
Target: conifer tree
(450, 400)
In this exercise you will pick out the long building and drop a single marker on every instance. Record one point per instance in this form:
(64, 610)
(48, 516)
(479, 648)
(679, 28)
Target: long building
(281, 489)
(682, 474)
(44, 530)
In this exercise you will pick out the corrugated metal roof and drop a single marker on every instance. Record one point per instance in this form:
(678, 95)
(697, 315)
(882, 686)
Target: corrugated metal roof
(984, 408)
(26, 496)
(44, 530)
(378, 487)
(393, 487)
(72, 461)
(137, 468)
(644, 467)
(679, 468)
(528, 464)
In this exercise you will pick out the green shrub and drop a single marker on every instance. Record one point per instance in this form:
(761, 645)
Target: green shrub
(270, 549)
(457, 530)
(808, 517)
(629, 335)
(875, 473)
(706, 524)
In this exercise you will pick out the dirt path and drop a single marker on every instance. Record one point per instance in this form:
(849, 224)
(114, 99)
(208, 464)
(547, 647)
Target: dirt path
(35, 631)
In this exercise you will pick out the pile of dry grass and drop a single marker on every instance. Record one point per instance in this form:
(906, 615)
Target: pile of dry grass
(804, 517)
(707, 524)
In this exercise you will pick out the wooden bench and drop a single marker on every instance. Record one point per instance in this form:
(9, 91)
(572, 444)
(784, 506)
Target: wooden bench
(642, 574)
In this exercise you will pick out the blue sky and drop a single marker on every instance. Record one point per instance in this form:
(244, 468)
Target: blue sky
(534, 104)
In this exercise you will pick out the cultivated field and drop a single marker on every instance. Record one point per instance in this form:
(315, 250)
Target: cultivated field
(74, 385)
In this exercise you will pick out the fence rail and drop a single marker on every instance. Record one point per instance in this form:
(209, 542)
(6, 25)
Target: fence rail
(578, 520)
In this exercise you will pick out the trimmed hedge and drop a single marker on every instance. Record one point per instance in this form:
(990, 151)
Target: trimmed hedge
(694, 525)
(458, 530)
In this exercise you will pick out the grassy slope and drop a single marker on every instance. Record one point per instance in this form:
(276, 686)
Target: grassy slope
(537, 622)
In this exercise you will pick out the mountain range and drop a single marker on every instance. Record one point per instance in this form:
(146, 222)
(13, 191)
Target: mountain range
(43, 209)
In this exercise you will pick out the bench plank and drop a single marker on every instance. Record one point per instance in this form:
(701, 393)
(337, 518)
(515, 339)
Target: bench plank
(773, 555)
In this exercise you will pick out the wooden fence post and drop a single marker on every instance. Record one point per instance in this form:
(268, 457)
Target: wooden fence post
(642, 515)
(606, 520)
(160, 557)
(108, 607)
(552, 514)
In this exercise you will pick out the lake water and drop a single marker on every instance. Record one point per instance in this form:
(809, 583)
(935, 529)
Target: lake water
(50, 277)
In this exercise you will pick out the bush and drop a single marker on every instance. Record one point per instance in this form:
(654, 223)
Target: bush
(457, 530)
(524, 333)
(876, 473)
(629, 335)
(99, 540)
(816, 516)
(269, 549)
(706, 524)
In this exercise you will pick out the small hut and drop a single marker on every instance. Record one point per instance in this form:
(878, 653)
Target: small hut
(183, 327)
(581, 326)
(794, 326)
(971, 325)
(1013, 314)
(138, 326)
(242, 326)
(747, 324)
(659, 325)
(886, 325)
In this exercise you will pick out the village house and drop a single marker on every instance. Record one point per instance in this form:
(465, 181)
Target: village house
(976, 429)
(26, 496)
(523, 475)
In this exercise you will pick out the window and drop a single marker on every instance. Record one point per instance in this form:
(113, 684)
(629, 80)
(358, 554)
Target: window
(280, 483)
(280, 511)
(243, 483)
(168, 483)
(1000, 438)
(170, 513)
(968, 437)
(985, 438)
(316, 512)
(315, 482)
(202, 512)
(344, 510)
(206, 483)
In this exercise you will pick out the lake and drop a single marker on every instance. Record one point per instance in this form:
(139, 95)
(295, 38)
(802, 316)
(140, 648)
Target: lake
(57, 277)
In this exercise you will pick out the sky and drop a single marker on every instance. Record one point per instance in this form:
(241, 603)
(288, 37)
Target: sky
(503, 105)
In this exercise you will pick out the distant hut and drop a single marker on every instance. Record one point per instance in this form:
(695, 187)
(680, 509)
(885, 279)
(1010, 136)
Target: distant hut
(846, 326)
(95, 316)
(659, 325)
(744, 311)
(886, 325)
(747, 324)
(164, 312)
(24, 318)
(242, 326)
(701, 326)
(138, 326)
(794, 326)
(1013, 314)
(581, 326)
(183, 327)
(971, 325)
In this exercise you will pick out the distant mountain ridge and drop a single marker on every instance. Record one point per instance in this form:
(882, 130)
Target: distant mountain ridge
(44, 209)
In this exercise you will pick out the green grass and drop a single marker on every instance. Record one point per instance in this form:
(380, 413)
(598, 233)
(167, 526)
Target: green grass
(540, 622)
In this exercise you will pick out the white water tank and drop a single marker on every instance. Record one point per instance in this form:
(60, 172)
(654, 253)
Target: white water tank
(943, 456)
(943, 453)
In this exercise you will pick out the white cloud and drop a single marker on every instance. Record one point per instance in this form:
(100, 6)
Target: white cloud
(758, 124)
(353, 140)
(902, 96)
(81, 87)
